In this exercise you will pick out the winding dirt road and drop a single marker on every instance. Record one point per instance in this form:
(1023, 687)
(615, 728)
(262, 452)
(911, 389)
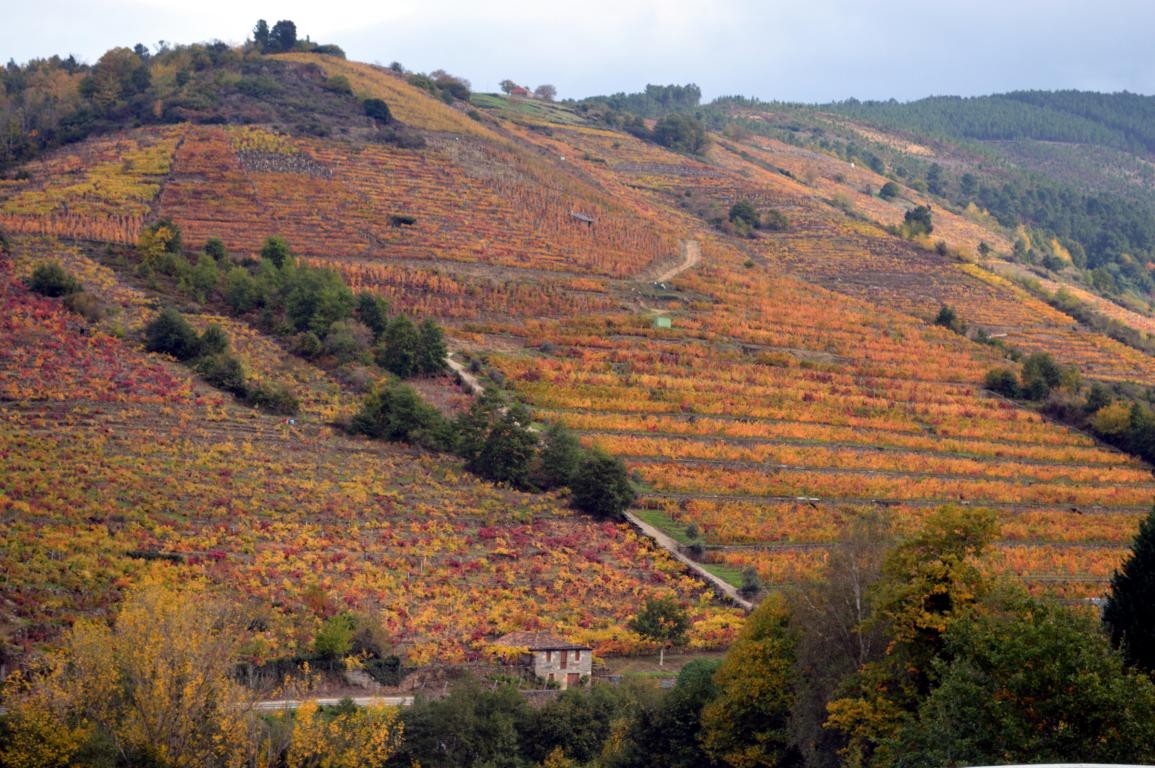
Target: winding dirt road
(691, 256)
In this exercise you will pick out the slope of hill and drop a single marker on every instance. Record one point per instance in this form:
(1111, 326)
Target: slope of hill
(784, 383)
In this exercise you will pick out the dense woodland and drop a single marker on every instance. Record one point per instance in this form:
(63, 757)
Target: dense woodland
(239, 464)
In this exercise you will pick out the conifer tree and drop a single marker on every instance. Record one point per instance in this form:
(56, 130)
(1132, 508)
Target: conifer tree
(1130, 610)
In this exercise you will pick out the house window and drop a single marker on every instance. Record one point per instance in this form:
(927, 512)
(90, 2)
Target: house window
(577, 655)
(548, 656)
(563, 659)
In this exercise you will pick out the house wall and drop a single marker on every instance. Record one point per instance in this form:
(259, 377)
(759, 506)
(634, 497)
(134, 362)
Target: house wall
(560, 666)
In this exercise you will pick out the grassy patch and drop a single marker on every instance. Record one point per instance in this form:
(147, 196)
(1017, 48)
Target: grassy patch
(728, 573)
(663, 523)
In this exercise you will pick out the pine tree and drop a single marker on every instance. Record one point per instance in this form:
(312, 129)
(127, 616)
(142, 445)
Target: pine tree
(1130, 610)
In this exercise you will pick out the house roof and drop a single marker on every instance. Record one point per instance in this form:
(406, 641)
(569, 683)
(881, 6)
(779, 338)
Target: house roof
(538, 641)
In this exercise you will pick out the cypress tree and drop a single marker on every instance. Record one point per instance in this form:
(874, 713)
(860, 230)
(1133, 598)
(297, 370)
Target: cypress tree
(1130, 610)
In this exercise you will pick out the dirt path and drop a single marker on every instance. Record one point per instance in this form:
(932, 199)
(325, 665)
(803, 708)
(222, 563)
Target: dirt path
(691, 256)
(667, 543)
(467, 377)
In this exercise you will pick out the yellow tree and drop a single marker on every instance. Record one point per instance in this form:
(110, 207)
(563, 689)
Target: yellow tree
(152, 687)
(745, 726)
(928, 581)
(350, 737)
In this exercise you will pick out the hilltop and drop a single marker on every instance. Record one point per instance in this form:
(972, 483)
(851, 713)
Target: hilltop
(735, 299)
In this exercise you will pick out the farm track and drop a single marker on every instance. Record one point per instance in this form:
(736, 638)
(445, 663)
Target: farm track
(865, 448)
(896, 437)
(774, 468)
(846, 501)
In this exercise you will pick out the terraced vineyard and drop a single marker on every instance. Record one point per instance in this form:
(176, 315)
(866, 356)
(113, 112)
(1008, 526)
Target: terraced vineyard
(767, 447)
(798, 381)
(117, 462)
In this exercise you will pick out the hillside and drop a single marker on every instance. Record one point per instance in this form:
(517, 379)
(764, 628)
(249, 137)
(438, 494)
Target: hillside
(784, 382)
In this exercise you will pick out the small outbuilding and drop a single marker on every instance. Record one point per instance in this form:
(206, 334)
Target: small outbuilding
(553, 660)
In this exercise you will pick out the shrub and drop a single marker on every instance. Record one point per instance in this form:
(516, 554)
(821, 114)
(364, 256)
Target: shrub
(917, 221)
(775, 221)
(274, 398)
(215, 247)
(1002, 381)
(394, 411)
(214, 340)
(52, 280)
(171, 334)
(276, 251)
(223, 371)
(378, 110)
(86, 305)
(743, 213)
(889, 191)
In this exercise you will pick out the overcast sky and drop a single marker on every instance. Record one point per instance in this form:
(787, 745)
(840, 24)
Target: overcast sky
(796, 50)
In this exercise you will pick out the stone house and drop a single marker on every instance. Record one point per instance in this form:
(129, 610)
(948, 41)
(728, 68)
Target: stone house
(552, 660)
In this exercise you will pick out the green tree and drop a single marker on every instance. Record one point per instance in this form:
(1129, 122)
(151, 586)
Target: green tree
(775, 221)
(601, 486)
(949, 319)
(1040, 375)
(745, 725)
(917, 221)
(558, 459)
(241, 291)
(1129, 613)
(472, 727)
(668, 734)
(283, 36)
(170, 333)
(334, 640)
(317, 298)
(394, 411)
(744, 214)
(680, 132)
(215, 247)
(373, 312)
(1035, 683)
(378, 110)
(52, 280)
(399, 349)
(223, 371)
(261, 35)
(431, 349)
(507, 454)
(662, 620)
(889, 191)
(1002, 381)
(935, 181)
(276, 251)
(578, 723)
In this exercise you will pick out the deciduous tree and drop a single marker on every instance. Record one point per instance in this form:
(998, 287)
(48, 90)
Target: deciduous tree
(152, 688)
(745, 725)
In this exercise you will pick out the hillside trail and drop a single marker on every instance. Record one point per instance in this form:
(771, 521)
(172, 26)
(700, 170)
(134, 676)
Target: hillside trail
(691, 256)
(465, 376)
